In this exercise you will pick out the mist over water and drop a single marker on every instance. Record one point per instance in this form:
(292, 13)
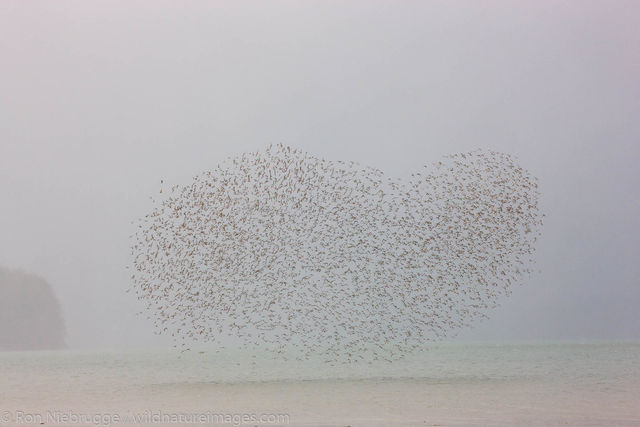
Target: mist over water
(452, 384)
(99, 106)
(102, 105)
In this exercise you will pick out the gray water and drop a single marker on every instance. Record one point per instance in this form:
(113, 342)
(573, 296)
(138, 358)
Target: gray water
(462, 384)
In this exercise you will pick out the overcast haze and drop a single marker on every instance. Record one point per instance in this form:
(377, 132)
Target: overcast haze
(100, 101)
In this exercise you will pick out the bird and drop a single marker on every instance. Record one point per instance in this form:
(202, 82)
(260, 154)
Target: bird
(281, 249)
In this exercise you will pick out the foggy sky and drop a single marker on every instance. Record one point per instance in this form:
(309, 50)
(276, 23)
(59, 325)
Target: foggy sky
(99, 101)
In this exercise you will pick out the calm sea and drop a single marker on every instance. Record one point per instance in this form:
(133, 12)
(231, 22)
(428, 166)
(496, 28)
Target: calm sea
(446, 384)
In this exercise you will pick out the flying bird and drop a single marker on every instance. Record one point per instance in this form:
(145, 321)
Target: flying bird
(281, 249)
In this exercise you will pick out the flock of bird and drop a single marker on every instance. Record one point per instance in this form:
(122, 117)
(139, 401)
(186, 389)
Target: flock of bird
(278, 249)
